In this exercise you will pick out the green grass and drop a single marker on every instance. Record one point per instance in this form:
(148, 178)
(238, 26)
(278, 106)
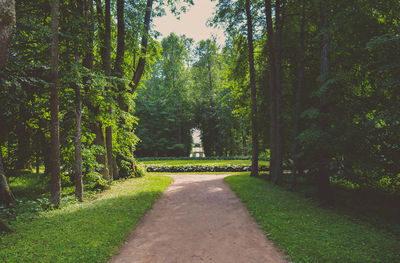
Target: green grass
(201, 162)
(29, 185)
(307, 232)
(85, 232)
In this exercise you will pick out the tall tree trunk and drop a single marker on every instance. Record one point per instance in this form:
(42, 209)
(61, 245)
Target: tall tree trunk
(78, 143)
(274, 42)
(325, 191)
(142, 60)
(120, 38)
(118, 70)
(107, 68)
(23, 153)
(7, 9)
(7, 24)
(254, 157)
(272, 87)
(78, 108)
(54, 104)
(279, 11)
(97, 127)
(299, 91)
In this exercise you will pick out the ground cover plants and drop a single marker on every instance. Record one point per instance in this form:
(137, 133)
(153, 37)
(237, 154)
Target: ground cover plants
(83, 232)
(308, 232)
(201, 165)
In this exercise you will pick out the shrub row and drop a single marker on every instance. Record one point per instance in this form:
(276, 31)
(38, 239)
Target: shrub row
(142, 159)
(202, 168)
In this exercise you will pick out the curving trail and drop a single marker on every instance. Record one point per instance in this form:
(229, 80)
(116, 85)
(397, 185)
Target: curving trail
(198, 219)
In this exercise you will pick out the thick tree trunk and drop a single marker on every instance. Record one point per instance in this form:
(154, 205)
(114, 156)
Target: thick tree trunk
(325, 191)
(6, 196)
(254, 157)
(7, 24)
(274, 42)
(54, 104)
(142, 60)
(299, 91)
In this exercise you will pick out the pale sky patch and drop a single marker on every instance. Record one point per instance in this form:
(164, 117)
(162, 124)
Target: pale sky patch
(193, 23)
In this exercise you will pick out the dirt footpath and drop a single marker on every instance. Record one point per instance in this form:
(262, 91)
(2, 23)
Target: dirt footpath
(198, 219)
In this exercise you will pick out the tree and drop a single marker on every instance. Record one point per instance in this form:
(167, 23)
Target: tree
(7, 24)
(254, 157)
(274, 40)
(299, 91)
(137, 76)
(54, 104)
(107, 68)
(325, 192)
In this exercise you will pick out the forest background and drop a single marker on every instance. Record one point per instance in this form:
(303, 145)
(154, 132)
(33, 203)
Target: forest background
(310, 85)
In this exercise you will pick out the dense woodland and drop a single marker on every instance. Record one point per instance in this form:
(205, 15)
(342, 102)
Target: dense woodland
(312, 85)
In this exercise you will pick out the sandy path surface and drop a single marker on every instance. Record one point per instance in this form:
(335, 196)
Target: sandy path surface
(198, 219)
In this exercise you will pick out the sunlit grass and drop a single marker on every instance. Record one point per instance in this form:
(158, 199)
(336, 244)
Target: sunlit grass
(86, 232)
(307, 232)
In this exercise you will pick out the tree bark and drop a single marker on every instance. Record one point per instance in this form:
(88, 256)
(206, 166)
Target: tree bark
(254, 158)
(6, 196)
(279, 11)
(299, 91)
(324, 187)
(107, 67)
(78, 145)
(7, 24)
(120, 38)
(274, 41)
(272, 88)
(78, 112)
(23, 153)
(97, 128)
(55, 190)
(142, 60)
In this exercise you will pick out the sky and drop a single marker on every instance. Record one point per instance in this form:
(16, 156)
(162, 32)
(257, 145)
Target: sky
(192, 23)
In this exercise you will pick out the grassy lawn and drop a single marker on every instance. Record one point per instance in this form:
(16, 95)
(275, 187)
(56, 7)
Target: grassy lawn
(85, 232)
(201, 162)
(307, 232)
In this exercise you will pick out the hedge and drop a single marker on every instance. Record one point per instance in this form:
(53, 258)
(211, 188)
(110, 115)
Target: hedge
(202, 168)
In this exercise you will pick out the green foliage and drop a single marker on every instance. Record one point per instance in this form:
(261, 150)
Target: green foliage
(200, 159)
(307, 232)
(206, 161)
(202, 168)
(84, 232)
(163, 108)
